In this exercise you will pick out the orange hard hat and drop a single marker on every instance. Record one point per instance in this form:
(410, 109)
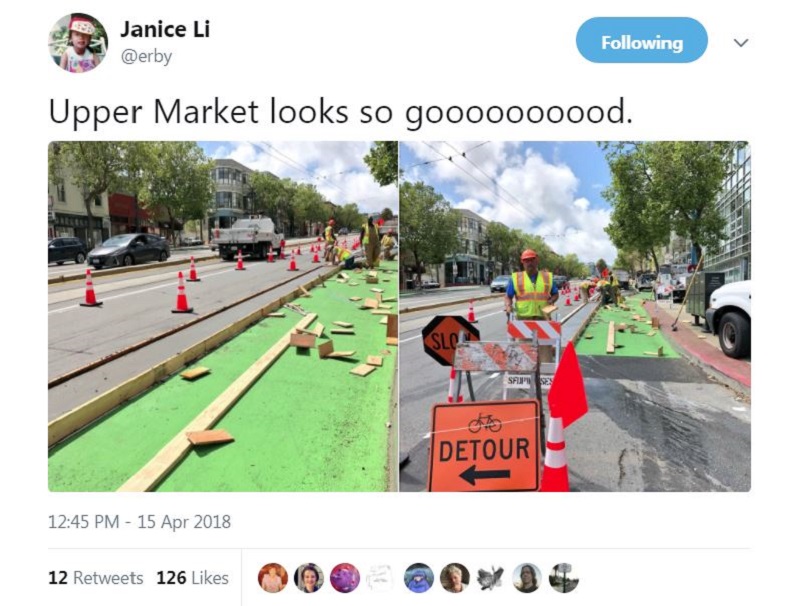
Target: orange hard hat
(331, 222)
(528, 254)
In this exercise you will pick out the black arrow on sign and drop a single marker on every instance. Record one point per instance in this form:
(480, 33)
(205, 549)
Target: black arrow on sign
(472, 474)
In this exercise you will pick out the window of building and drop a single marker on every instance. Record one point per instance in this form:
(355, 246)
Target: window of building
(61, 192)
(98, 201)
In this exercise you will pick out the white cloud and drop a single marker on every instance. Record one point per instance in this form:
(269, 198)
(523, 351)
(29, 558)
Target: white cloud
(515, 185)
(336, 168)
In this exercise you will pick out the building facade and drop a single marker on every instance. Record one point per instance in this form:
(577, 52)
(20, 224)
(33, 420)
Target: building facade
(232, 199)
(68, 216)
(470, 265)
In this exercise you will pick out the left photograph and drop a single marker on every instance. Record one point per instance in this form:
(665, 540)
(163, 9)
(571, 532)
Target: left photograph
(222, 316)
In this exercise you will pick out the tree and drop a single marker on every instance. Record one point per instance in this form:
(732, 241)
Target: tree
(387, 214)
(383, 162)
(177, 181)
(664, 186)
(348, 216)
(95, 168)
(274, 197)
(601, 265)
(430, 226)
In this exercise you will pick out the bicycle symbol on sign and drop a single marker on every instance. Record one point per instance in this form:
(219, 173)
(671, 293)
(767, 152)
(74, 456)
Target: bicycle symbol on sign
(485, 422)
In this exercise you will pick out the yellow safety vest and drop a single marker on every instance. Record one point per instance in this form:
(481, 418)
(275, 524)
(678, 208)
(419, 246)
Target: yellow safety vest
(329, 234)
(345, 254)
(387, 241)
(530, 300)
(366, 233)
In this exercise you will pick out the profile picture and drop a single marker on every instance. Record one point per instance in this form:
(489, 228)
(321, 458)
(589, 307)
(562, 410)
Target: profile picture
(563, 578)
(345, 578)
(527, 578)
(489, 578)
(418, 578)
(308, 578)
(454, 578)
(78, 43)
(379, 578)
(272, 578)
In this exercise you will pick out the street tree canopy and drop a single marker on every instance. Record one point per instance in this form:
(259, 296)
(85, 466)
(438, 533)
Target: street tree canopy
(666, 186)
(430, 225)
(383, 162)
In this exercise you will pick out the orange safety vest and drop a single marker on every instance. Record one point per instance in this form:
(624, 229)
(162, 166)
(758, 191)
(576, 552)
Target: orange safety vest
(530, 300)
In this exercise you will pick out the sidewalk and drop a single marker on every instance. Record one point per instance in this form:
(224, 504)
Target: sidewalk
(698, 346)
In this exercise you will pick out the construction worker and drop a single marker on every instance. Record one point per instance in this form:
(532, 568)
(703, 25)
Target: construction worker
(534, 290)
(614, 285)
(370, 240)
(342, 255)
(387, 243)
(330, 242)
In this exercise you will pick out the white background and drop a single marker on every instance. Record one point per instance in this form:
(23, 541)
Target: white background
(629, 548)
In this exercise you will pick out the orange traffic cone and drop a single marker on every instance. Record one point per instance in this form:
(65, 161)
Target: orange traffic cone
(239, 264)
(271, 256)
(192, 272)
(555, 477)
(568, 303)
(182, 306)
(298, 253)
(452, 389)
(90, 300)
(292, 264)
(316, 258)
(471, 315)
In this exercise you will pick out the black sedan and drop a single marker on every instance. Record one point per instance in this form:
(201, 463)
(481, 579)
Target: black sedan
(66, 249)
(129, 249)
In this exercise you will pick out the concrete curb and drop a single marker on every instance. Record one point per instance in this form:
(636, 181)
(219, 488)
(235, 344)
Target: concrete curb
(448, 303)
(122, 270)
(717, 374)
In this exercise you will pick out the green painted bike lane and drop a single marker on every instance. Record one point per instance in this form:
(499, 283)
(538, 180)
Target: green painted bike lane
(629, 344)
(307, 425)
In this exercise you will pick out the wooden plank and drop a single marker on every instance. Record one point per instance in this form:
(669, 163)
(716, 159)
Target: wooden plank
(211, 436)
(384, 320)
(276, 314)
(654, 322)
(355, 298)
(195, 373)
(319, 329)
(610, 342)
(391, 341)
(371, 280)
(391, 327)
(302, 340)
(378, 290)
(343, 324)
(343, 331)
(381, 312)
(658, 353)
(370, 304)
(388, 299)
(621, 327)
(326, 351)
(385, 306)
(651, 333)
(362, 370)
(344, 276)
(176, 449)
(375, 360)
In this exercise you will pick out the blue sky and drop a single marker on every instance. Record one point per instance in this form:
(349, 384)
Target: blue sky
(551, 189)
(336, 168)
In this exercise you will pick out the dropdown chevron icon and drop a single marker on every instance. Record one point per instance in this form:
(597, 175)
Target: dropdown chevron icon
(741, 44)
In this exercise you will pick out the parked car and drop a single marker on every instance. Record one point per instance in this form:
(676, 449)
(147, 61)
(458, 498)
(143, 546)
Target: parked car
(728, 316)
(66, 249)
(500, 284)
(559, 281)
(430, 284)
(344, 231)
(191, 241)
(645, 281)
(129, 249)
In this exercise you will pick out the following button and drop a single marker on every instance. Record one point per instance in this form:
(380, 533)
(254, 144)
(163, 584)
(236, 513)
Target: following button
(642, 40)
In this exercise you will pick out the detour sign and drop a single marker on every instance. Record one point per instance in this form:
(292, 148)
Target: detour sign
(484, 446)
(440, 337)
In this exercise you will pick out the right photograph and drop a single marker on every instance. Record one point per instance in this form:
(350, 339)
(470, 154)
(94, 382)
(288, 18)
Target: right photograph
(575, 316)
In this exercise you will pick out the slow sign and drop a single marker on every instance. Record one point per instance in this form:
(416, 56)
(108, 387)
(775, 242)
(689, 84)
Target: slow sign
(485, 446)
(440, 337)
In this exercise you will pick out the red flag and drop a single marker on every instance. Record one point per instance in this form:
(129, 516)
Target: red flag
(567, 395)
